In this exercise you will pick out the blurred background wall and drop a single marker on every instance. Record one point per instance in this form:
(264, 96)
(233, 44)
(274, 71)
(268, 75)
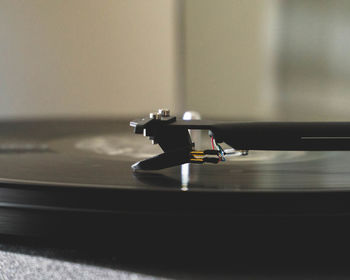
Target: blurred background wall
(229, 59)
(87, 57)
(314, 59)
(269, 59)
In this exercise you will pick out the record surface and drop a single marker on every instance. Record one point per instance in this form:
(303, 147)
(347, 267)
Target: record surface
(83, 166)
(100, 153)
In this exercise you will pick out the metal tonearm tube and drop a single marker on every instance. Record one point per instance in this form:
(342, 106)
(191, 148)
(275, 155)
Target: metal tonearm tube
(173, 137)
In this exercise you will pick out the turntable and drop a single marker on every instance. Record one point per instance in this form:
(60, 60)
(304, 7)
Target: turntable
(64, 178)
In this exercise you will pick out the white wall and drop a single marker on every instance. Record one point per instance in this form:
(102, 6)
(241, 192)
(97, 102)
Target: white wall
(314, 62)
(230, 59)
(86, 57)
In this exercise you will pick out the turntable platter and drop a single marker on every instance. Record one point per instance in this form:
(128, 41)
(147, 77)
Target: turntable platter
(50, 169)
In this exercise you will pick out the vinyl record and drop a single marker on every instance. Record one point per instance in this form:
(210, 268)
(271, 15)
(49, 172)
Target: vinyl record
(55, 168)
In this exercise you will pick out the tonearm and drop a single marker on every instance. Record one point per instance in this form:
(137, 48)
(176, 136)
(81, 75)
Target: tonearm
(173, 137)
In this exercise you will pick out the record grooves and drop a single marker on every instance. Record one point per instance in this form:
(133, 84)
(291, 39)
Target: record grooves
(74, 176)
